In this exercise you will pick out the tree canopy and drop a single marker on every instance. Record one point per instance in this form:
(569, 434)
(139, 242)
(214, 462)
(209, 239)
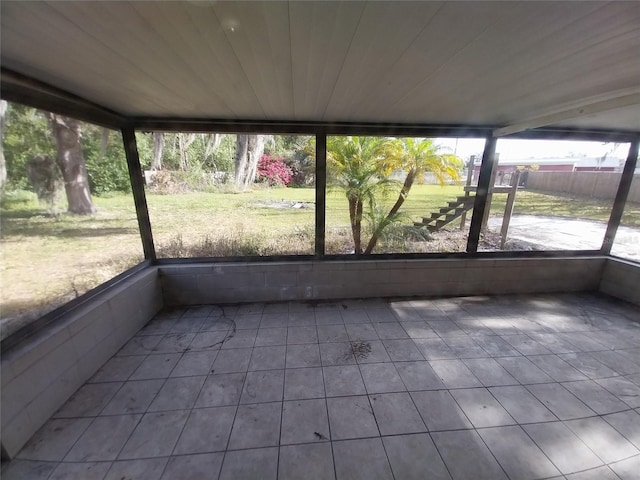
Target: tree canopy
(362, 167)
(418, 156)
(355, 165)
(193, 158)
(365, 168)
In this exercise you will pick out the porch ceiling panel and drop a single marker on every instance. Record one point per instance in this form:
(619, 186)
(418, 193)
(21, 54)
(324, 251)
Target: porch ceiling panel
(619, 119)
(482, 63)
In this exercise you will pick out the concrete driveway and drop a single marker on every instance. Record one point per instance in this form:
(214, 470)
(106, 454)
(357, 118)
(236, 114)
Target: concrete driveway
(561, 233)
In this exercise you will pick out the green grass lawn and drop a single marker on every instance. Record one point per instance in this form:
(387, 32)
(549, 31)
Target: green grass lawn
(535, 203)
(46, 257)
(50, 259)
(198, 216)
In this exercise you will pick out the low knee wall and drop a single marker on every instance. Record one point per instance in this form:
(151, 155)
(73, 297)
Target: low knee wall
(192, 284)
(44, 370)
(621, 279)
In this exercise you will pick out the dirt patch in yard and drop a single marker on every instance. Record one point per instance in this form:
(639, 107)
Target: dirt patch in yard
(286, 205)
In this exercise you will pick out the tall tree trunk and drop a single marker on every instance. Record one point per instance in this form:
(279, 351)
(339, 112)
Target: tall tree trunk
(404, 192)
(242, 153)
(71, 162)
(183, 152)
(355, 209)
(256, 150)
(173, 142)
(184, 142)
(249, 149)
(158, 150)
(359, 207)
(212, 144)
(3, 165)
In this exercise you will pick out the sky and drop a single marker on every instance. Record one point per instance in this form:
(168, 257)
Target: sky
(521, 149)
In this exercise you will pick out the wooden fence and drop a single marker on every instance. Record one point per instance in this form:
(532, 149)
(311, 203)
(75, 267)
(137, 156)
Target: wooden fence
(587, 184)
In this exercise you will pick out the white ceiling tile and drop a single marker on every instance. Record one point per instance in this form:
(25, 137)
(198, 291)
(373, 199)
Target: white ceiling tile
(321, 35)
(259, 36)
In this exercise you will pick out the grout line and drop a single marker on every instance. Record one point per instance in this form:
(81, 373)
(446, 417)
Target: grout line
(462, 359)
(368, 396)
(475, 430)
(284, 382)
(237, 406)
(326, 406)
(549, 458)
(357, 395)
(439, 454)
(589, 448)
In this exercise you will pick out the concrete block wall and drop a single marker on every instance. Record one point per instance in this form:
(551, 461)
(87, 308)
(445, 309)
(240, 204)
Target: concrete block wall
(42, 372)
(621, 279)
(246, 282)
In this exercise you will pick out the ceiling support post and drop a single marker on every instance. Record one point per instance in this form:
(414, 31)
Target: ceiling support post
(321, 193)
(482, 193)
(621, 198)
(139, 197)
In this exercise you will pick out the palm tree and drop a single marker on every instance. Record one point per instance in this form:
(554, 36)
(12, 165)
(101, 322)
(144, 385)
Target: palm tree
(418, 156)
(355, 165)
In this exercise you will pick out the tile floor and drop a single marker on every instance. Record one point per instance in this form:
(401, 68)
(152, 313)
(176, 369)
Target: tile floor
(518, 387)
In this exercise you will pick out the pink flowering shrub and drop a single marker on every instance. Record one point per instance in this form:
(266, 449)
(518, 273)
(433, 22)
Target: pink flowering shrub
(274, 171)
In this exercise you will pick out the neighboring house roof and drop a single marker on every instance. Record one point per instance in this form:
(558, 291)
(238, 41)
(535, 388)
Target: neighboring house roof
(610, 162)
(584, 162)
